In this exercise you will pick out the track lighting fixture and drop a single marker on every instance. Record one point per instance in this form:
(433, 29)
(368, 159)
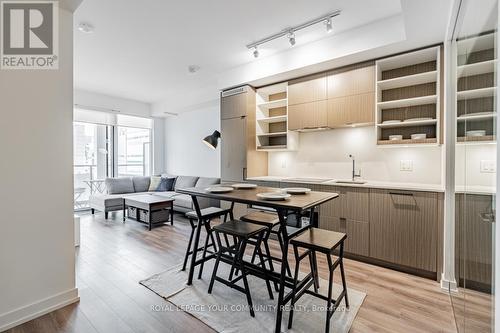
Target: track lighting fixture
(291, 38)
(255, 52)
(290, 32)
(329, 27)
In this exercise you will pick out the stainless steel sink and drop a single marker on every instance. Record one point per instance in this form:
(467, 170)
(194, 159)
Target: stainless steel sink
(349, 181)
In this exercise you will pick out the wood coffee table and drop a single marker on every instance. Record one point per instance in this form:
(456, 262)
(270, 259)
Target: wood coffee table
(149, 208)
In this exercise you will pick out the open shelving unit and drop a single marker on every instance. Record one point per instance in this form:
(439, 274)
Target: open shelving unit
(476, 90)
(271, 127)
(408, 97)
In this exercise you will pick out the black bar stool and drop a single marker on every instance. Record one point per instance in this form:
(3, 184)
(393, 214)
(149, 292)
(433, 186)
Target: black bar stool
(207, 215)
(241, 233)
(270, 221)
(323, 241)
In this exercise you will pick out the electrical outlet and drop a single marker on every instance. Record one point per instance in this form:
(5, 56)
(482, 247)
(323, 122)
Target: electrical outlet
(283, 164)
(488, 166)
(406, 165)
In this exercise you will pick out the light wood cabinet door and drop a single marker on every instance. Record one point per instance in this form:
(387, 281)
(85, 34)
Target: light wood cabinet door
(307, 115)
(309, 89)
(233, 151)
(355, 109)
(403, 228)
(347, 82)
(234, 106)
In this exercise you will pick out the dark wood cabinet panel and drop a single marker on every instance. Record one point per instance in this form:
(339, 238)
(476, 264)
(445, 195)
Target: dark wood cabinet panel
(473, 240)
(403, 228)
(308, 89)
(356, 204)
(358, 237)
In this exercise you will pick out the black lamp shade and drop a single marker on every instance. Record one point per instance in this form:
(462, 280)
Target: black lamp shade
(212, 140)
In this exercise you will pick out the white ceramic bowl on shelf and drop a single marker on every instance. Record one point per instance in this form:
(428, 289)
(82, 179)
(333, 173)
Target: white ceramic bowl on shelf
(419, 136)
(476, 133)
(395, 137)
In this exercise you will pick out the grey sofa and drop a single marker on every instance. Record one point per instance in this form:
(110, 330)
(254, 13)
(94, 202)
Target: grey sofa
(118, 188)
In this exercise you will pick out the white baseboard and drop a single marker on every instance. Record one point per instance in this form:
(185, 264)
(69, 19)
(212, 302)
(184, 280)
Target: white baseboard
(26, 313)
(449, 286)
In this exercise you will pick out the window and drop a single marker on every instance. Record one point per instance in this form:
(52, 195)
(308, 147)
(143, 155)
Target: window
(133, 147)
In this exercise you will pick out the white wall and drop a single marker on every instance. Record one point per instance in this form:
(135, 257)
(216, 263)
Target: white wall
(158, 146)
(325, 154)
(185, 153)
(37, 254)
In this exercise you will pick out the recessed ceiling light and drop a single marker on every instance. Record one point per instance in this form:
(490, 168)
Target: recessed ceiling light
(193, 69)
(86, 28)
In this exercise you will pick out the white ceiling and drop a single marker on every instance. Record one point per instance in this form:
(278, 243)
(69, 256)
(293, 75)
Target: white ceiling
(141, 49)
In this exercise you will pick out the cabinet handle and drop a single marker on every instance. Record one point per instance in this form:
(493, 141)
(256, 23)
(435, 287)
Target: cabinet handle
(405, 194)
(488, 217)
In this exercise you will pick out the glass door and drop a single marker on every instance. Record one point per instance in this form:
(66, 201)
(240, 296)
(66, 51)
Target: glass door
(133, 150)
(92, 160)
(475, 53)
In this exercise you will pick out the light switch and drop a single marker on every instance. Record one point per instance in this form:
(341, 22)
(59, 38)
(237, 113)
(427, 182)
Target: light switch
(488, 166)
(406, 165)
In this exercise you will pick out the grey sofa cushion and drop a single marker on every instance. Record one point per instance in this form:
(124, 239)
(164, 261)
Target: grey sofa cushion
(206, 181)
(119, 185)
(185, 182)
(183, 200)
(141, 184)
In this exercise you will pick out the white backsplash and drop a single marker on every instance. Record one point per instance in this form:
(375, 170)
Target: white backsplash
(326, 154)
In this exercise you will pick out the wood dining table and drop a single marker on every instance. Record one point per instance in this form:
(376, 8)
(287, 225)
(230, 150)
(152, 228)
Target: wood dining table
(298, 205)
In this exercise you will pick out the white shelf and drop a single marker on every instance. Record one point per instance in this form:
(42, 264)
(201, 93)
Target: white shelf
(269, 120)
(477, 68)
(400, 103)
(408, 59)
(272, 148)
(269, 135)
(409, 80)
(473, 116)
(469, 45)
(273, 104)
(476, 93)
(409, 123)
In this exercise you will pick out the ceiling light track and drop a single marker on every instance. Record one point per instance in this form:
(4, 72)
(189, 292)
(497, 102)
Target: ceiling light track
(290, 32)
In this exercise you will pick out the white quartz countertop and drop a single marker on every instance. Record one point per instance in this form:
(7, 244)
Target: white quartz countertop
(368, 184)
(471, 189)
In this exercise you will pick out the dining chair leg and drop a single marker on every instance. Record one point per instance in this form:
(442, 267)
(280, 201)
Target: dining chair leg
(262, 262)
(281, 243)
(342, 275)
(295, 281)
(188, 251)
(244, 277)
(205, 248)
(312, 260)
(329, 310)
(216, 266)
(234, 264)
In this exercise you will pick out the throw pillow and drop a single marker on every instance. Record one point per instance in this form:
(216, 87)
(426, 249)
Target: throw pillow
(161, 184)
(155, 182)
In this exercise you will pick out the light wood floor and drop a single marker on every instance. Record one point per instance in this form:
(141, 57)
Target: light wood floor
(113, 257)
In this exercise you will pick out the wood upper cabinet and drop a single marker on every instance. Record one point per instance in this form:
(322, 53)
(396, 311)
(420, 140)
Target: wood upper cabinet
(355, 109)
(308, 89)
(351, 96)
(351, 81)
(307, 115)
(403, 228)
(234, 106)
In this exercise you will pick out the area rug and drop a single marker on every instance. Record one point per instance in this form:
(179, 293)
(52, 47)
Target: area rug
(225, 310)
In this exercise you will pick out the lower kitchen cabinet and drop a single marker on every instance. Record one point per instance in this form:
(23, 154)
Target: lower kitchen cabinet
(404, 227)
